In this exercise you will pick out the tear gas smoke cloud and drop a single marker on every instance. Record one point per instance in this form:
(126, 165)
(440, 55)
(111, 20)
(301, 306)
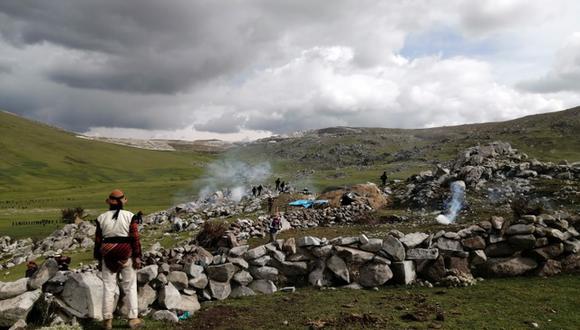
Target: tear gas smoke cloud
(234, 177)
(455, 205)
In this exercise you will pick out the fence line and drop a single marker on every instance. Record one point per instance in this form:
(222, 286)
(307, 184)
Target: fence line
(43, 222)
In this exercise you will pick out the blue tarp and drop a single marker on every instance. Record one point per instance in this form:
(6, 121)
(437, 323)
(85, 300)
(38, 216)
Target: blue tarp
(306, 203)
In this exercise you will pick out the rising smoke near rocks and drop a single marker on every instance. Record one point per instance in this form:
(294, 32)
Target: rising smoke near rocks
(233, 177)
(455, 205)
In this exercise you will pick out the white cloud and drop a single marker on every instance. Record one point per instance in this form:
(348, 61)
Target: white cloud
(253, 67)
(564, 76)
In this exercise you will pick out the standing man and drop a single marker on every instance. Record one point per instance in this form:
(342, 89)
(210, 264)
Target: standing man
(278, 184)
(384, 178)
(118, 250)
(254, 191)
(275, 226)
(260, 190)
(270, 204)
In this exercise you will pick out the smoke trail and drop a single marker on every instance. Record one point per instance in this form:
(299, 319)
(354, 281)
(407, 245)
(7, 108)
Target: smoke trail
(233, 177)
(455, 205)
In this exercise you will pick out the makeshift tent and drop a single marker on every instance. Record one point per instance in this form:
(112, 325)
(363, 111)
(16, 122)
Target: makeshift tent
(307, 203)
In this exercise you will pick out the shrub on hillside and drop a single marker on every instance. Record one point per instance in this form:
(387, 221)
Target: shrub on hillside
(71, 214)
(211, 233)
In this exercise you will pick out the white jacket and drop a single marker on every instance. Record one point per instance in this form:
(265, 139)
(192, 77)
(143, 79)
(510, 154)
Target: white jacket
(115, 228)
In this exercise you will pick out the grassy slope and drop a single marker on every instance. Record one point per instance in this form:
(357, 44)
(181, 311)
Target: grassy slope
(548, 137)
(492, 304)
(512, 303)
(43, 169)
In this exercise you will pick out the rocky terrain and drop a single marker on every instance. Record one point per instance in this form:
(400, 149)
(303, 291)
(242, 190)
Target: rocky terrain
(175, 280)
(166, 145)
(531, 239)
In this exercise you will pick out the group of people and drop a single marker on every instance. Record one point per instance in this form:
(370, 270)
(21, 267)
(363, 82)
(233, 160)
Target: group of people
(281, 186)
(257, 191)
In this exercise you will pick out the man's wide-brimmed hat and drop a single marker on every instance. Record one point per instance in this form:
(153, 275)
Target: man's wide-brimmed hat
(115, 197)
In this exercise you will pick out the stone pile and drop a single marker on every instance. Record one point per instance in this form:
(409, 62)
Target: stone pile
(348, 214)
(218, 205)
(477, 166)
(244, 229)
(70, 237)
(177, 279)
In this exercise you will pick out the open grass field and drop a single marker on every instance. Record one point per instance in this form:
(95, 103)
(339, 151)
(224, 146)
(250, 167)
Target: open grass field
(43, 169)
(513, 303)
(492, 304)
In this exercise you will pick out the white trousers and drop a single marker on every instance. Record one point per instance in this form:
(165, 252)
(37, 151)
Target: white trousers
(128, 285)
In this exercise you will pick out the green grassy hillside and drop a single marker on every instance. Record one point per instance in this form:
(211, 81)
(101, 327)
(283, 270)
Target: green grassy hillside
(43, 169)
(345, 155)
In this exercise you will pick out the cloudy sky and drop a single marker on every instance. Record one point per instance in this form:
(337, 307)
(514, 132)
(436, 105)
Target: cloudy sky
(244, 69)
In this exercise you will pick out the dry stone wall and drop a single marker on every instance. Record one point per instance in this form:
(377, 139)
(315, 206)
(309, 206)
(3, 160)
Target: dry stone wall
(176, 280)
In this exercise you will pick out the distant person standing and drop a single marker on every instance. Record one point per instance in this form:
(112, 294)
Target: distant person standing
(282, 186)
(384, 178)
(260, 188)
(275, 226)
(254, 191)
(118, 250)
(270, 204)
(278, 184)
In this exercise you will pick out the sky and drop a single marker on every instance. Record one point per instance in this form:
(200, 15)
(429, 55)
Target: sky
(238, 70)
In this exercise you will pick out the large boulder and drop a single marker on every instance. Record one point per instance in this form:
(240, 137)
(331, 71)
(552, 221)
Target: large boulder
(338, 268)
(147, 273)
(549, 268)
(17, 308)
(422, 254)
(522, 242)
(308, 241)
(146, 296)
(291, 269)
(547, 252)
(189, 304)
(355, 256)
(238, 251)
(192, 269)
(263, 286)
(199, 282)
(501, 249)
(504, 267)
(243, 278)
(394, 248)
(13, 289)
(372, 245)
(48, 269)
(178, 279)
(404, 272)
(445, 244)
(264, 273)
(432, 270)
(473, 243)
(221, 273)
(220, 290)
(83, 292)
(169, 297)
(414, 239)
(165, 315)
(520, 229)
(242, 291)
(374, 274)
(255, 252)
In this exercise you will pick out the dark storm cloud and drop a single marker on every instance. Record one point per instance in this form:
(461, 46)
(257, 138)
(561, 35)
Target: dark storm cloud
(135, 46)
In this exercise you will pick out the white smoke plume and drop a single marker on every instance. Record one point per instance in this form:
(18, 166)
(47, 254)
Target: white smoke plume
(234, 178)
(455, 205)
